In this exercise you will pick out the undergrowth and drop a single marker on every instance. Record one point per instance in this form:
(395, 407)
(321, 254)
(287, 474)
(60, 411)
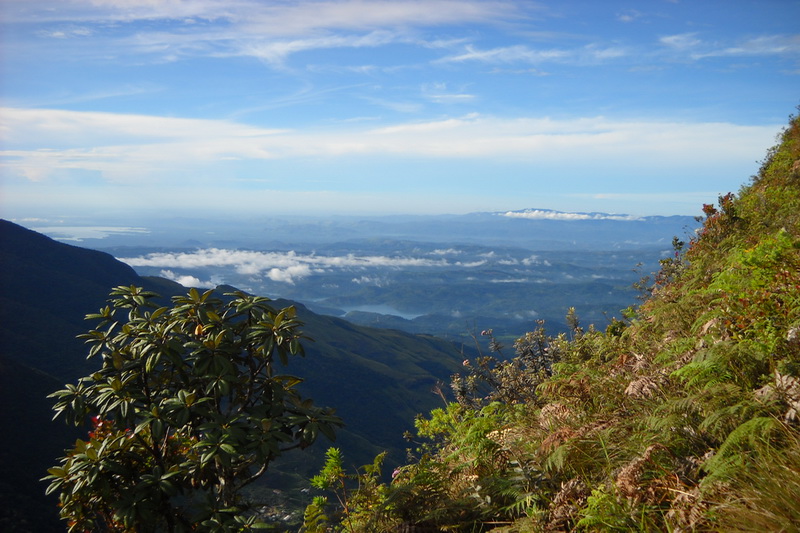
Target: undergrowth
(683, 417)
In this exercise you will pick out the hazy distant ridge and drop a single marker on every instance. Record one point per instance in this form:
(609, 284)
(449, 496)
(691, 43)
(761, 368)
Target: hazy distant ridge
(533, 228)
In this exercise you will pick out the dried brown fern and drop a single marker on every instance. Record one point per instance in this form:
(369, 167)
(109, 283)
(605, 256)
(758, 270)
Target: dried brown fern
(555, 414)
(556, 439)
(643, 387)
(566, 504)
(784, 389)
(629, 479)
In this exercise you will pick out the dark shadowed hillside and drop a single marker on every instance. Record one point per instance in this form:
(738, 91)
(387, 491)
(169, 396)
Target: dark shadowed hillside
(378, 380)
(46, 288)
(31, 440)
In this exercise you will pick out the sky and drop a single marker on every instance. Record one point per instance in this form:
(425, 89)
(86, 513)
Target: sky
(214, 107)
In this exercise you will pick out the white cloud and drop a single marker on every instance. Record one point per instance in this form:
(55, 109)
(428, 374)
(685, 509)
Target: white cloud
(289, 274)
(765, 45)
(760, 46)
(276, 52)
(65, 33)
(49, 125)
(629, 15)
(141, 149)
(286, 267)
(80, 233)
(270, 31)
(534, 260)
(309, 17)
(590, 54)
(540, 214)
(370, 280)
(439, 93)
(446, 251)
(187, 281)
(507, 54)
(681, 41)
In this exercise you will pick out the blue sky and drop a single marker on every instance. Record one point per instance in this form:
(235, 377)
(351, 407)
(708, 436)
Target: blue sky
(368, 107)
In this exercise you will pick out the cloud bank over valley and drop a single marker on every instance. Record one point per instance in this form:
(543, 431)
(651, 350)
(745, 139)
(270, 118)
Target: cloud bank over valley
(288, 267)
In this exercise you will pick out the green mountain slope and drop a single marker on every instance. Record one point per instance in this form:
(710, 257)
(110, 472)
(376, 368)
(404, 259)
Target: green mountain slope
(685, 417)
(378, 380)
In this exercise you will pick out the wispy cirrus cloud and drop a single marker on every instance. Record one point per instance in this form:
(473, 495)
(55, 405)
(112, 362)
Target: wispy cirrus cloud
(441, 93)
(277, 51)
(767, 45)
(65, 33)
(109, 92)
(681, 41)
(296, 18)
(268, 31)
(589, 54)
(291, 16)
(695, 47)
(629, 15)
(506, 54)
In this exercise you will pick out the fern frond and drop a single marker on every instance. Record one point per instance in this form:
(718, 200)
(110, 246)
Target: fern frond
(745, 440)
(557, 460)
(725, 420)
(707, 369)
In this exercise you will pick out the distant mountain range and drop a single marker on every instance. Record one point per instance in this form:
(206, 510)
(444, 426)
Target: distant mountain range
(378, 380)
(535, 229)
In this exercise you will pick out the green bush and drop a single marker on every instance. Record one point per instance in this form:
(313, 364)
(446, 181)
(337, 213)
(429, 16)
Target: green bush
(188, 407)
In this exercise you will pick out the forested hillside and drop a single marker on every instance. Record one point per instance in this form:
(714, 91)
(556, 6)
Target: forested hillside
(380, 378)
(683, 417)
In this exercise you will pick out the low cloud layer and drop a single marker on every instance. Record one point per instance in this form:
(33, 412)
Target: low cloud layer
(285, 267)
(187, 281)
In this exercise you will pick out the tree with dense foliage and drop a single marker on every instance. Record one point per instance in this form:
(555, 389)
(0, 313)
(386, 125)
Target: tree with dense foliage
(187, 408)
(685, 416)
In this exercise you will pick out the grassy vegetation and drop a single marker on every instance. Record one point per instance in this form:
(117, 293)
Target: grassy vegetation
(683, 417)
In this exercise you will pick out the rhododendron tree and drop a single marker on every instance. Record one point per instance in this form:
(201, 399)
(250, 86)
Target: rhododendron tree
(188, 407)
